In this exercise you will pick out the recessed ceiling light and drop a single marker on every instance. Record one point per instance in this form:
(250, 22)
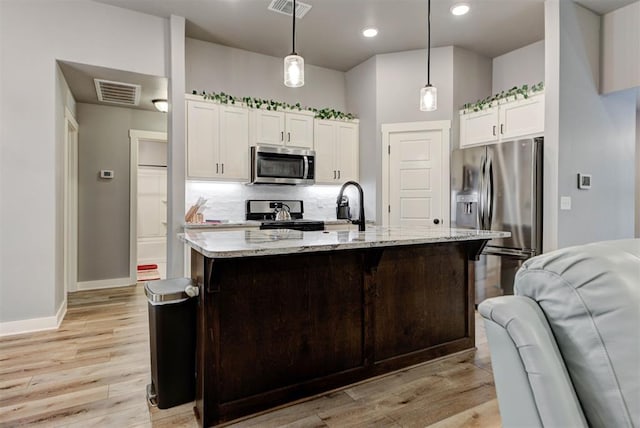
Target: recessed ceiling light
(459, 9)
(370, 32)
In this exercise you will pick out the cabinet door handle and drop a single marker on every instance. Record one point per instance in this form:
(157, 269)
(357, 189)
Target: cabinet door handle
(334, 174)
(494, 130)
(223, 168)
(216, 168)
(502, 128)
(288, 137)
(281, 135)
(338, 174)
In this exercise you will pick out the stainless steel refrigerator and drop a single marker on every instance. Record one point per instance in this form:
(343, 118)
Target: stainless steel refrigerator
(499, 187)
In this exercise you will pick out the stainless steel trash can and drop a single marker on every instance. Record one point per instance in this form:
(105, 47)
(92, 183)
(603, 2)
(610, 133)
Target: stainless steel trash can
(172, 334)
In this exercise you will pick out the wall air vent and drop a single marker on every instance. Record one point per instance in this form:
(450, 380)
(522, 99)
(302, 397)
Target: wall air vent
(285, 6)
(117, 92)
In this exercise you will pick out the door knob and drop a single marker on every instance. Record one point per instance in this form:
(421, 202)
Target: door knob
(436, 221)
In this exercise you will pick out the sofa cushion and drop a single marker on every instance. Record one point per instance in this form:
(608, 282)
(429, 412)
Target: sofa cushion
(590, 295)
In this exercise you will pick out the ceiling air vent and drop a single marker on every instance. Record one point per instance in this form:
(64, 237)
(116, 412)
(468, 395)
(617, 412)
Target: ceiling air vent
(285, 7)
(117, 92)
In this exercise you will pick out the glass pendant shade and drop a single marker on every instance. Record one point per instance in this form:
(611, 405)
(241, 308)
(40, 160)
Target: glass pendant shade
(428, 98)
(293, 71)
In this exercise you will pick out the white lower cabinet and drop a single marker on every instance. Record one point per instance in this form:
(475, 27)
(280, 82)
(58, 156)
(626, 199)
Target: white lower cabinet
(506, 121)
(337, 146)
(217, 141)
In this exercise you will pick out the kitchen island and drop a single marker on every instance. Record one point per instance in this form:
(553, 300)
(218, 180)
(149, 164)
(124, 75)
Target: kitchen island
(285, 314)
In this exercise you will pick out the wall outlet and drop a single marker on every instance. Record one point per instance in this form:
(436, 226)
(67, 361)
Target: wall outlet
(565, 202)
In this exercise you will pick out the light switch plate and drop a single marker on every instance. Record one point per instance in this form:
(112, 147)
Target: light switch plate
(565, 202)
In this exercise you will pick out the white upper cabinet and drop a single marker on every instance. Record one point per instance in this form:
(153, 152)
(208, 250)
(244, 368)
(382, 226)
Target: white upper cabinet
(479, 127)
(217, 141)
(506, 121)
(278, 128)
(521, 118)
(337, 147)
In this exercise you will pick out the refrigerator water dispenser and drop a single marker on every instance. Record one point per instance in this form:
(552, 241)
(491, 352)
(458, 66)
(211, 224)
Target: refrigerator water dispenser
(467, 210)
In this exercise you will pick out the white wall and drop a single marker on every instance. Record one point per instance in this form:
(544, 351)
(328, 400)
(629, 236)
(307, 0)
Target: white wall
(103, 211)
(519, 67)
(362, 99)
(638, 167)
(399, 78)
(386, 89)
(176, 170)
(471, 81)
(33, 35)
(594, 134)
(216, 68)
(621, 49)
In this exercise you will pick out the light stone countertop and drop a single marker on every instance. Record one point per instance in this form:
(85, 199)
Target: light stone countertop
(222, 226)
(247, 223)
(248, 243)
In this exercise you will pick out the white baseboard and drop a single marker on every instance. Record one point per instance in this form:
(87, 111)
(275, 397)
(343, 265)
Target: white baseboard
(105, 283)
(31, 325)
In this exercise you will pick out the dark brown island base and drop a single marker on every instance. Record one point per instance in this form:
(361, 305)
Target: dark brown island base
(286, 314)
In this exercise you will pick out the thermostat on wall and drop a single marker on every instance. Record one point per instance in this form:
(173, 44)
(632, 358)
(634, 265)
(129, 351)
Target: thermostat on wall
(106, 173)
(584, 181)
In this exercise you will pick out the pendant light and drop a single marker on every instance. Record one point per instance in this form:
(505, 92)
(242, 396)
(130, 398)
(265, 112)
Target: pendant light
(294, 63)
(428, 94)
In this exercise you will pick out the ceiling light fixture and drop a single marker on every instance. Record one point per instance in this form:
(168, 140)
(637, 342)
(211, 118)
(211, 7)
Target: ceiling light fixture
(161, 105)
(370, 32)
(459, 9)
(428, 94)
(293, 63)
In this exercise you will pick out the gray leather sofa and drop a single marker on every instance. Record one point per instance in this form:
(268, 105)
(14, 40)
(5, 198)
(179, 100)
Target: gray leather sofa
(565, 349)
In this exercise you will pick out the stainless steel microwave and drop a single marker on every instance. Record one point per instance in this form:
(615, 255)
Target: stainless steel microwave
(280, 165)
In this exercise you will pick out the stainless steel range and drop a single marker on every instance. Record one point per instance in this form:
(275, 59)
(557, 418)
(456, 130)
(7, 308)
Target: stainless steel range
(269, 212)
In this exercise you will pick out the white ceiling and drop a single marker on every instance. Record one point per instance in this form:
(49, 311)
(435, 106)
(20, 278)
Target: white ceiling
(80, 77)
(330, 34)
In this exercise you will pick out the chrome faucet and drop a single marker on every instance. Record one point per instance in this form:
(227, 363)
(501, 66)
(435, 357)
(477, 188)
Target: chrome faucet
(360, 220)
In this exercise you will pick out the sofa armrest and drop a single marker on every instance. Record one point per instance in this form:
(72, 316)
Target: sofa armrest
(532, 383)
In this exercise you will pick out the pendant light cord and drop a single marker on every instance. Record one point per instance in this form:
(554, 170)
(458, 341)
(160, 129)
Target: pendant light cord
(293, 36)
(428, 42)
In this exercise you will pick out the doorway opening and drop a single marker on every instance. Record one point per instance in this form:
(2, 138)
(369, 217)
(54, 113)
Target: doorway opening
(70, 228)
(148, 206)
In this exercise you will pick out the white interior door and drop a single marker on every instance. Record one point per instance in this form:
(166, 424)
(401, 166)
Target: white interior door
(417, 174)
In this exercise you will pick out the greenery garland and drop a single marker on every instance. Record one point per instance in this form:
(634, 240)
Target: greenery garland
(522, 91)
(222, 98)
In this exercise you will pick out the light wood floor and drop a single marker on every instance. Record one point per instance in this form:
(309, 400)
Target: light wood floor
(92, 372)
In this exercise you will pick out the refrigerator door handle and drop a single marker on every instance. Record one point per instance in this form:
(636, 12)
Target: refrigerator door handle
(489, 195)
(481, 201)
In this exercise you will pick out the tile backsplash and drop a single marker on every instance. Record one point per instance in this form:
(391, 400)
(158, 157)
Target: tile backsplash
(226, 201)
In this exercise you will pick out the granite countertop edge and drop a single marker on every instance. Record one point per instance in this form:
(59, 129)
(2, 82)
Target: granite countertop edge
(256, 243)
(247, 223)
